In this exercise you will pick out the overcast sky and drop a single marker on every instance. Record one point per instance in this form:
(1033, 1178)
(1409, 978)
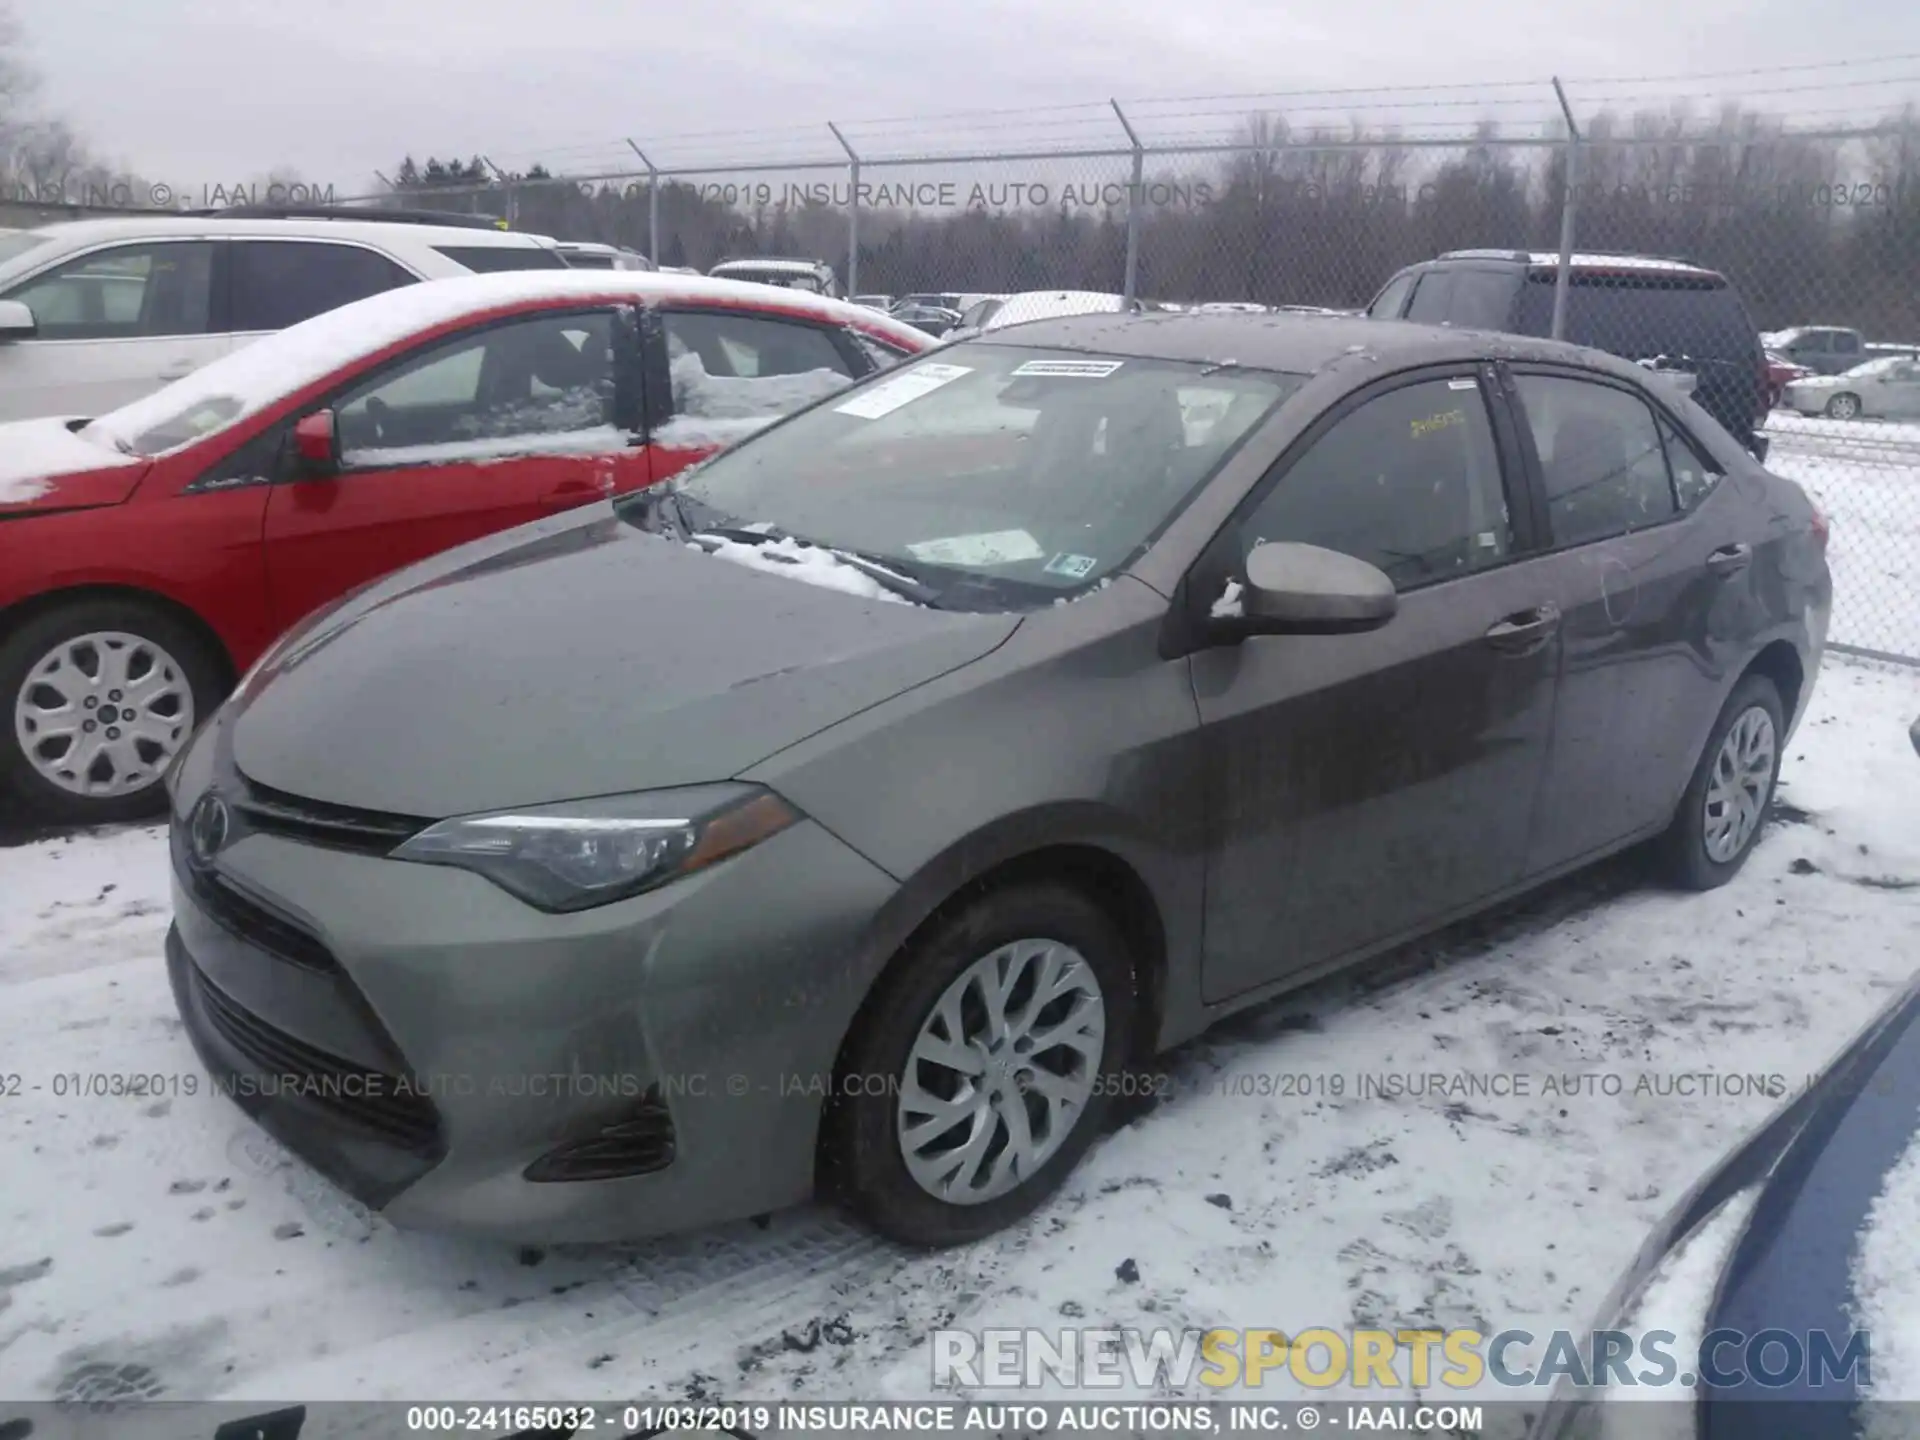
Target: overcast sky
(202, 91)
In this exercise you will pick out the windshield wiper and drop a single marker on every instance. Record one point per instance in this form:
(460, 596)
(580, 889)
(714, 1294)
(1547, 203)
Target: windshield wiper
(880, 571)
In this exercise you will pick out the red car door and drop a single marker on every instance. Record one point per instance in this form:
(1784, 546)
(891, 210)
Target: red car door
(492, 427)
(730, 371)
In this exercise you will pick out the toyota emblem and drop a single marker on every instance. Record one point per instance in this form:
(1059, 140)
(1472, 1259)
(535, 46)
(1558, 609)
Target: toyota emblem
(207, 828)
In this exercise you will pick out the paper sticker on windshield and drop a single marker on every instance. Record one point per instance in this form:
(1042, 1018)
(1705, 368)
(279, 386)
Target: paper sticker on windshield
(897, 390)
(1001, 547)
(1463, 384)
(1084, 369)
(1071, 566)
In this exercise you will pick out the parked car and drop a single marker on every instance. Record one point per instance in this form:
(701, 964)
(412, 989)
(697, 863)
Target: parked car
(905, 808)
(813, 275)
(1005, 310)
(928, 319)
(1823, 349)
(1635, 306)
(1781, 372)
(147, 557)
(95, 313)
(1884, 389)
(933, 300)
(591, 255)
(874, 302)
(1802, 1233)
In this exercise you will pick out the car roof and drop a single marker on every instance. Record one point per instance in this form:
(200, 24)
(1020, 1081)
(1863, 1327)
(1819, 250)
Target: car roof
(146, 226)
(1588, 260)
(797, 267)
(1291, 343)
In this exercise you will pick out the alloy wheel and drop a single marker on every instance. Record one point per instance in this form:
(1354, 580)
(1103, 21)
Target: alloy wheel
(1001, 1071)
(1738, 790)
(102, 714)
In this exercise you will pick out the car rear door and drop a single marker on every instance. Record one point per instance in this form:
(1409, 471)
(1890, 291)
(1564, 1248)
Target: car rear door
(1367, 786)
(1653, 567)
(114, 324)
(268, 285)
(717, 374)
(499, 424)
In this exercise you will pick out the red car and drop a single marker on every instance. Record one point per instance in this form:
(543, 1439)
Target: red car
(149, 556)
(1781, 372)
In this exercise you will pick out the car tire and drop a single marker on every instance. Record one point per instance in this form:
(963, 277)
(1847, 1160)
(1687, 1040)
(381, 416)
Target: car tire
(1694, 853)
(1843, 407)
(865, 1151)
(188, 684)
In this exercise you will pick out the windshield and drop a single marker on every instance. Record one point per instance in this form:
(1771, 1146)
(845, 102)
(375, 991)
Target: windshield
(12, 247)
(996, 476)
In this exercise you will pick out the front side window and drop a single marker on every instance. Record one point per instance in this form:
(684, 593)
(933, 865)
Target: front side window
(1601, 458)
(1409, 482)
(528, 386)
(278, 283)
(1000, 476)
(1386, 305)
(128, 292)
(1431, 298)
(739, 371)
(1482, 300)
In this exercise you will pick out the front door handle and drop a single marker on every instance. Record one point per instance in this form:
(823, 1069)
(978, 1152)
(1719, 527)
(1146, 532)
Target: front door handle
(1730, 559)
(1525, 632)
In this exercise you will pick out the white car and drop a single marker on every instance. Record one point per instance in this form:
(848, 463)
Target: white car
(95, 313)
(813, 275)
(592, 255)
(998, 312)
(1883, 389)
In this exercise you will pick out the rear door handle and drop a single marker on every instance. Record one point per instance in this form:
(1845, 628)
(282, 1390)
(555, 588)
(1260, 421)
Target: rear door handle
(1730, 559)
(1525, 632)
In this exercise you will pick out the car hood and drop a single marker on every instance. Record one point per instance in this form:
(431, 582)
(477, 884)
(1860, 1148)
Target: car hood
(44, 465)
(574, 657)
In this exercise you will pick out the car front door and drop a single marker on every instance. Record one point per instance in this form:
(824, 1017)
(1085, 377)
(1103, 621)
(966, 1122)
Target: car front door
(112, 325)
(717, 375)
(1367, 786)
(1653, 560)
(473, 433)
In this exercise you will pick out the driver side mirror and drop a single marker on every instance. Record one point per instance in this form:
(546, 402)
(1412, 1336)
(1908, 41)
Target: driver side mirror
(1291, 589)
(16, 321)
(315, 454)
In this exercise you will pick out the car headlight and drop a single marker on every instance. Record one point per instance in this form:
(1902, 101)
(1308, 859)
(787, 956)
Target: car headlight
(583, 853)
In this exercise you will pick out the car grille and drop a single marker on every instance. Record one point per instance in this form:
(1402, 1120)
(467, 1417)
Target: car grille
(343, 827)
(638, 1143)
(245, 918)
(385, 1104)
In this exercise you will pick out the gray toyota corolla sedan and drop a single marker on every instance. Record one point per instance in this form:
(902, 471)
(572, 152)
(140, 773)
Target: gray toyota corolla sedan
(849, 814)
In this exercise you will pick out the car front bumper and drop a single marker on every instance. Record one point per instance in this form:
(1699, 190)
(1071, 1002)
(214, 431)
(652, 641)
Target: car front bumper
(421, 1037)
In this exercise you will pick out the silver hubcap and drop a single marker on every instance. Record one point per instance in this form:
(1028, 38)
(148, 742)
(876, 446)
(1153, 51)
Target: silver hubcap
(1737, 793)
(1844, 406)
(102, 714)
(1001, 1071)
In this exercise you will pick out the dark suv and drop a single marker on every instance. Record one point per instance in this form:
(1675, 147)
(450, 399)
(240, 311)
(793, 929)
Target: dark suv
(1638, 307)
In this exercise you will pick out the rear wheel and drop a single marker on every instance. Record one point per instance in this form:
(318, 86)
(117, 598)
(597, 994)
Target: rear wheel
(983, 1067)
(1726, 801)
(100, 695)
(1843, 407)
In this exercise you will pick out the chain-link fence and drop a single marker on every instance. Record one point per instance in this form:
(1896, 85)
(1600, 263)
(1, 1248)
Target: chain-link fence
(1816, 231)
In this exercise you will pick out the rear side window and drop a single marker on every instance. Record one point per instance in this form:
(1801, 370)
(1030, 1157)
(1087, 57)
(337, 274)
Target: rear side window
(277, 283)
(1602, 460)
(1482, 300)
(489, 259)
(1846, 342)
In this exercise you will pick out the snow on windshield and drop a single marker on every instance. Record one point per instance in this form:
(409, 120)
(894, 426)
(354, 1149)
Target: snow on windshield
(799, 561)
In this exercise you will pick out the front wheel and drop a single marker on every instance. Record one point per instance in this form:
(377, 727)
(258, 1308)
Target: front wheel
(1726, 801)
(1843, 407)
(983, 1067)
(101, 695)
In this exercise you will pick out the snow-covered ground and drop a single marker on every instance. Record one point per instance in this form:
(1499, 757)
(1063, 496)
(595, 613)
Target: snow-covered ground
(164, 1246)
(1866, 475)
